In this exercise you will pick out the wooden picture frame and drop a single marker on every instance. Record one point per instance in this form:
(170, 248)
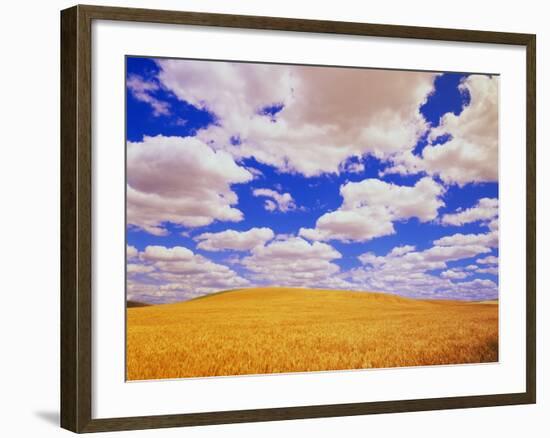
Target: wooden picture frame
(76, 217)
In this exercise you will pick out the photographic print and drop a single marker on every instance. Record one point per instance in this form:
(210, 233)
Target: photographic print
(297, 218)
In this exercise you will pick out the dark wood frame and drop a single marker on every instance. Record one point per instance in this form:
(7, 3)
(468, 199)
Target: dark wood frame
(76, 219)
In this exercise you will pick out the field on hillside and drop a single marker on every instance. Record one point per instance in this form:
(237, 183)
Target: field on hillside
(281, 330)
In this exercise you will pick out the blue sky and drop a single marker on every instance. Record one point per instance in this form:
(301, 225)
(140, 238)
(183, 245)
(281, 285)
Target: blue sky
(319, 173)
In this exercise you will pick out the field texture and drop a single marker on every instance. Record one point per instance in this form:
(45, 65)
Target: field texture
(281, 330)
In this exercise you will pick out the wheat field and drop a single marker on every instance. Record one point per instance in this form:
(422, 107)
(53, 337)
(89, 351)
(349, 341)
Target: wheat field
(281, 330)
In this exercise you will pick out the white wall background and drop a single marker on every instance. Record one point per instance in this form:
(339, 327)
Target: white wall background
(29, 216)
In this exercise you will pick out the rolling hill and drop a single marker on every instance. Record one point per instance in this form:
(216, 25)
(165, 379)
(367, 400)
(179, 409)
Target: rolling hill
(281, 330)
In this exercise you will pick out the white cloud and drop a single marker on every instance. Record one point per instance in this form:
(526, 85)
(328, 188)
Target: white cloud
(295, 262)
(235, 240)
(421, 200)
(352, 167)
(277, 201)
(136, 268)
(131, 252)
(488, 239)
(144, 292)
(283, 236)
(256, 172)
(188, 182)
(358, 112)
(471, 154)
(491, 270)
(270, 205)
(143, 91)
(486, 209)
(162, 253)
(369, 258)
(489, 260)
(449, 253)
(409, 272)
(478, 288)
(455, 274)
(182, 181)
(172, 274)
(371, 206)
(361, 224)
(401, 250)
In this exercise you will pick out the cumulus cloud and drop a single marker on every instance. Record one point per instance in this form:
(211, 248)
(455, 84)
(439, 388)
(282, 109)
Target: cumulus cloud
(489, 260)
(136, 268)
(256, 172)
(471, 153)
(486, 209)
(361, 224)
(190, 182)
(358, 112)
(131, 252)
(370, 208)
(493, 225)
(489, 239)
(486, 212)
(234, 240)
(162, 253)
(421, 200)
(295, 262)
(411, 273)
(450, 253)
(477, 289)
(401, 250)
(181, 181)
(270, 205)
(493, 270)
(352, 167)
(276, 201)
(455, 274)
(144, 90)
(173, 274)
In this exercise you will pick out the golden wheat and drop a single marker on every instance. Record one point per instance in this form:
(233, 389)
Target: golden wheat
(280, 330)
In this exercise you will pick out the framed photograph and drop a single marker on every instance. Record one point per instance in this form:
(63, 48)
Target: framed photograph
(270, 218)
